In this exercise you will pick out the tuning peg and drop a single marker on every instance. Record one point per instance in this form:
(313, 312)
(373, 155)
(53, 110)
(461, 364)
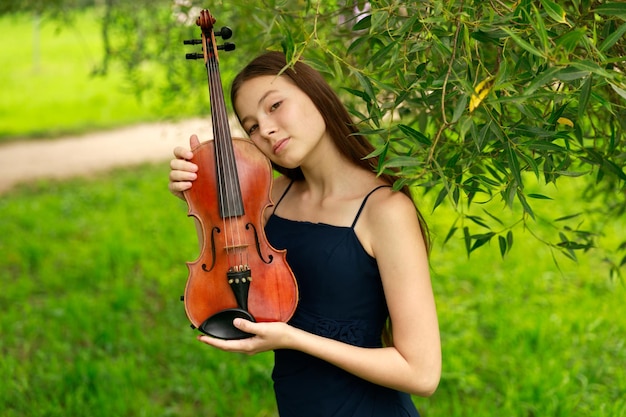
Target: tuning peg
(228, 46)
(194, 56)
(225, 32)
(192, 42)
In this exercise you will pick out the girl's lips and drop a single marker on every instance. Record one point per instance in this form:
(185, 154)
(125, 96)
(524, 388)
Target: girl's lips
(279, 145)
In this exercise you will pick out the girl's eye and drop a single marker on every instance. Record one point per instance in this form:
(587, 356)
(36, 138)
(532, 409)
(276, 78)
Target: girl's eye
(252, 129)
(275, 106)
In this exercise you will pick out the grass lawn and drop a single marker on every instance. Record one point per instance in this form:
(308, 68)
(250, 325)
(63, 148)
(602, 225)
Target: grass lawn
(92, 325)
(47, 84)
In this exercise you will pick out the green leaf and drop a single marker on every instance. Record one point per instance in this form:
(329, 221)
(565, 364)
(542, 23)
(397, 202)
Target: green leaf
(440, 197)
(540, 29)
(525, 205)
(367, 85)
(572, 173)
(461, 105)
(509, 239)
(502, 243)
(523, 44)
(468, 239)
(539, 196)
(450, 233)
(514, 165)
(418, 136)
(380, 151)
(571, 73)
(379, 19)
(357, 93)
(611, 166)
(491, 36)
(570, 40)
(613, 38)
(532, 163)
(319, 65)
(509, 193)
(555, 11)
(362, 24)
(493, 217)
(373, 132)
(544, 78)
(593, 68)
(585, 92)
(403, 161)
(619, 91)
(544, 145)
(355, 44)
(479, 221)
(480, 240)
(611, 9)
(383, 52)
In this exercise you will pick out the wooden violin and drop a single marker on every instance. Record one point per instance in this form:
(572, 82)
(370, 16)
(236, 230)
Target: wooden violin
(238, 273)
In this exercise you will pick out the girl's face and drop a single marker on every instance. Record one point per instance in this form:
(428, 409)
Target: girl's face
(281, 119)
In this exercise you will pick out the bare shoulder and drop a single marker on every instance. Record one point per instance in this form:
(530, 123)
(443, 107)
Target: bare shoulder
(389, 218)
(387, 206)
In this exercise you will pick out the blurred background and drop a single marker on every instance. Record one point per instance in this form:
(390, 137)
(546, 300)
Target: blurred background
(506, 118)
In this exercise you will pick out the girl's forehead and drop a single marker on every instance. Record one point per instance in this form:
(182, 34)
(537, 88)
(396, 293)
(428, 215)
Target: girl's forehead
(254, 90)
(266, 82)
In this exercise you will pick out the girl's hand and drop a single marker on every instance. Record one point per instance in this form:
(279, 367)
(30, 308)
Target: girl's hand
(182, 171)
(267, 336)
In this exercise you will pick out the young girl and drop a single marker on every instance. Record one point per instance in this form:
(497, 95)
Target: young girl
(357, 248)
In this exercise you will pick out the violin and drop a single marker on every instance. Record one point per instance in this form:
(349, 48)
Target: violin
(238, 273)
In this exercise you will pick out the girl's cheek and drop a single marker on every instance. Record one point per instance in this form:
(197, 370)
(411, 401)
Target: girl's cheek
(261, 145)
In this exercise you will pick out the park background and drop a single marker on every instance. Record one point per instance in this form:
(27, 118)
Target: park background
(92, 268)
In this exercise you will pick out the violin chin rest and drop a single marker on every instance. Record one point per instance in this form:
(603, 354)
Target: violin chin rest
(220, 324)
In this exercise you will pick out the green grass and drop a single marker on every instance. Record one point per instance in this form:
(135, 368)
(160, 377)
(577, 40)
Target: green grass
(92, 325)
(47, 84)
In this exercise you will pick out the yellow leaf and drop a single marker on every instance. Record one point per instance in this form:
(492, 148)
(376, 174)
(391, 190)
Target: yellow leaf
(565, 121)
(479, 94)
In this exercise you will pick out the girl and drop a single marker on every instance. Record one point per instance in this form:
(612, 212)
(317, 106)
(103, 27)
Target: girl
(357, 248)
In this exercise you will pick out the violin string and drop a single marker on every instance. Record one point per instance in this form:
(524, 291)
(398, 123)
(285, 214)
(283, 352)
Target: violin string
(216, 143)
(222, 132)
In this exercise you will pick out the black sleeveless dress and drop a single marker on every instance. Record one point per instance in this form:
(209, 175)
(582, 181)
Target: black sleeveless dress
(341, 297)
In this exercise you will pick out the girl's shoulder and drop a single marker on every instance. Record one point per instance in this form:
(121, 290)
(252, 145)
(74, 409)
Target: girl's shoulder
(384, 201)
(386, 218)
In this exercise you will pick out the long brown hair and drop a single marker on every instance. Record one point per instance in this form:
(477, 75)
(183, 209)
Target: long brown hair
(342, 130)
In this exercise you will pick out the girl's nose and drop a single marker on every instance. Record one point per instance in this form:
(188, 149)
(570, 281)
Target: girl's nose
(267, 130)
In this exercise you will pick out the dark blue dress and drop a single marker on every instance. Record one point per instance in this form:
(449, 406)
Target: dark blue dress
(341, 297)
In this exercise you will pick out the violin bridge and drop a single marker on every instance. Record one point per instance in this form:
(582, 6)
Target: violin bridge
(241, 247)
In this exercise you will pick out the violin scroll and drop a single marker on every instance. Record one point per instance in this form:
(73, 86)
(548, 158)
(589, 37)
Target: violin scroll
(209, 48)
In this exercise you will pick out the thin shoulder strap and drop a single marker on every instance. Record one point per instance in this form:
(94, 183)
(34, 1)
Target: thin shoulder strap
(358, 214)
(282, 196)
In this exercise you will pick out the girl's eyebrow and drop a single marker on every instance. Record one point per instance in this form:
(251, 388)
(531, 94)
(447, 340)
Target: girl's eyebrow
(263, 97)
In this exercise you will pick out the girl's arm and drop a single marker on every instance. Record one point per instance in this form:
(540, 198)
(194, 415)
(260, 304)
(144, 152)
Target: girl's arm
(389, 227)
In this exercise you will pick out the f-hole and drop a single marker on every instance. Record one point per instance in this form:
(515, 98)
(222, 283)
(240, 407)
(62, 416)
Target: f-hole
(258, 245)
(213, 231)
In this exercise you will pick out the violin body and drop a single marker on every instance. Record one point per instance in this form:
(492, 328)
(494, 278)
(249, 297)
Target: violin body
(273, 294)
(238, 273)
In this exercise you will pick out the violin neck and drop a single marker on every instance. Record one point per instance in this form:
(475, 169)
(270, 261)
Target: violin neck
(229, 190)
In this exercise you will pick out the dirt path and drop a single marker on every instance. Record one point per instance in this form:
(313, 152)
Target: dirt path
(95, 152)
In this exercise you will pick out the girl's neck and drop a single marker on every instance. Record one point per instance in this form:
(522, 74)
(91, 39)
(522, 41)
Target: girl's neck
(336, 176)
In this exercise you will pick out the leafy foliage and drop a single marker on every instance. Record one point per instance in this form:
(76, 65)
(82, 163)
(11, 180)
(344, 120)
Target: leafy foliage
(470, 99)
